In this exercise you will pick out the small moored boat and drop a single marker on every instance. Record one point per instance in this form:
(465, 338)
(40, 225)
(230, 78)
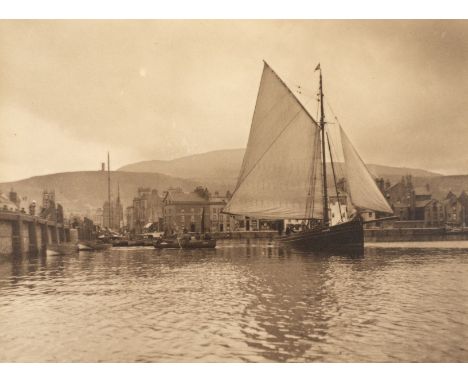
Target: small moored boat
(185, 243)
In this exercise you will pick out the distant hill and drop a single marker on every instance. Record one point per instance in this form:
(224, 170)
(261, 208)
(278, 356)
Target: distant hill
(220, 166)
(441, 185)
(223, 167)
(85, 191)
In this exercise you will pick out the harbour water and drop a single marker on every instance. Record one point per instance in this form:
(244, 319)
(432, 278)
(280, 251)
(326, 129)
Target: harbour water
(243, 301)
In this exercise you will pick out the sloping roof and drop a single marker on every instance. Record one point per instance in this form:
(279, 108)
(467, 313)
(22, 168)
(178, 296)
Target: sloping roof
(423, 203)
(451, 201)
(393, 186)
(185, 197)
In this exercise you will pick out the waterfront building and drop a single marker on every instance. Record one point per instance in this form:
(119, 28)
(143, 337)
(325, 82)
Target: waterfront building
(48, 199)
(98, 217)
(434, 214)
(408, 202)
(14, 198)
(184, 210)
(6, 204)
(129, 217)
(146, 212)
(220, 222)
(463, 199)
(50, 209)
(453, 210)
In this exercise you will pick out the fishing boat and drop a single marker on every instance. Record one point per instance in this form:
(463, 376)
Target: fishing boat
(184, 243)
(188, 240)
(284, 171)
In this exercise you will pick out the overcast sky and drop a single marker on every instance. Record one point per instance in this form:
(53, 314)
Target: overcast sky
(72, 90)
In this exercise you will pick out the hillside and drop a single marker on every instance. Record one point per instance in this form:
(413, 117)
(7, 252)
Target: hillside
(219, 166)
(441, 185)
(223, 167)
(84, 191)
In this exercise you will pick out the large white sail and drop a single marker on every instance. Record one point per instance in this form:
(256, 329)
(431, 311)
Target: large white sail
(363, 190)
(279, 176)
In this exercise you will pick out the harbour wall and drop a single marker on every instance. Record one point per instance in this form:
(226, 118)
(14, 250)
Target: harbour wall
(21, 233)
(370, 234)
(411, 234)
(245, 235)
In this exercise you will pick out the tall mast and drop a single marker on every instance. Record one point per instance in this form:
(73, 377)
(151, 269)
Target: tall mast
(324, 165)
(109, 190)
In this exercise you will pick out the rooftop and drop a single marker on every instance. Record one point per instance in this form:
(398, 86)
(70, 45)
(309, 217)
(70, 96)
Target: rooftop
(184, 197)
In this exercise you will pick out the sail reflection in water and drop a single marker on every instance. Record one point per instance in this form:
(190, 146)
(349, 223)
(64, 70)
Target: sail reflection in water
(244, 301)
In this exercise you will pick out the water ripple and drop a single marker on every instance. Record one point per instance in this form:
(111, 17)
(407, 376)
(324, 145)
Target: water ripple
(243, 302)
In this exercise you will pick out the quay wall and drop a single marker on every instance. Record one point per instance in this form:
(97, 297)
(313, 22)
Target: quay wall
(409, 234)
(370, 235)
(245, 235)
(21, 233)
(6, 233)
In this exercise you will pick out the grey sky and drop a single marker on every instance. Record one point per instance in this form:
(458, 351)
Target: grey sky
(71, 90)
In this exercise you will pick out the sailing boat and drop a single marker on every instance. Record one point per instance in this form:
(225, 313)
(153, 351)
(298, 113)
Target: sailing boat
(284, 172)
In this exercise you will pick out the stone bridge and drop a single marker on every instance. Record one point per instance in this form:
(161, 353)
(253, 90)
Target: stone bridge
(21, 233)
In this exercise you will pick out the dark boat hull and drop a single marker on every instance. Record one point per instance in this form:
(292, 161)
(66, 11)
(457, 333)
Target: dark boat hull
(346, 236)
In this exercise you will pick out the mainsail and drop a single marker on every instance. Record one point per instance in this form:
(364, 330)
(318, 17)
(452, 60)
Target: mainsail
(279, 177)
(363, 190)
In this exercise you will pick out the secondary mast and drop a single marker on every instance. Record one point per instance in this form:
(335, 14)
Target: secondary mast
(109, 190)
(324, 165)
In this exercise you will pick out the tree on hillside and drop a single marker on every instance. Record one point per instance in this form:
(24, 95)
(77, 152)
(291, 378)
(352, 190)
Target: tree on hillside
(202, 192)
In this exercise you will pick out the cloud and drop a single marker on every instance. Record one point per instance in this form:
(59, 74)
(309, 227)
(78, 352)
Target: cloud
(31, 146)
(162, 89)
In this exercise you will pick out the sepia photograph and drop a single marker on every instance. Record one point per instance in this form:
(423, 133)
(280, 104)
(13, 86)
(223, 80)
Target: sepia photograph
(233, 191)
